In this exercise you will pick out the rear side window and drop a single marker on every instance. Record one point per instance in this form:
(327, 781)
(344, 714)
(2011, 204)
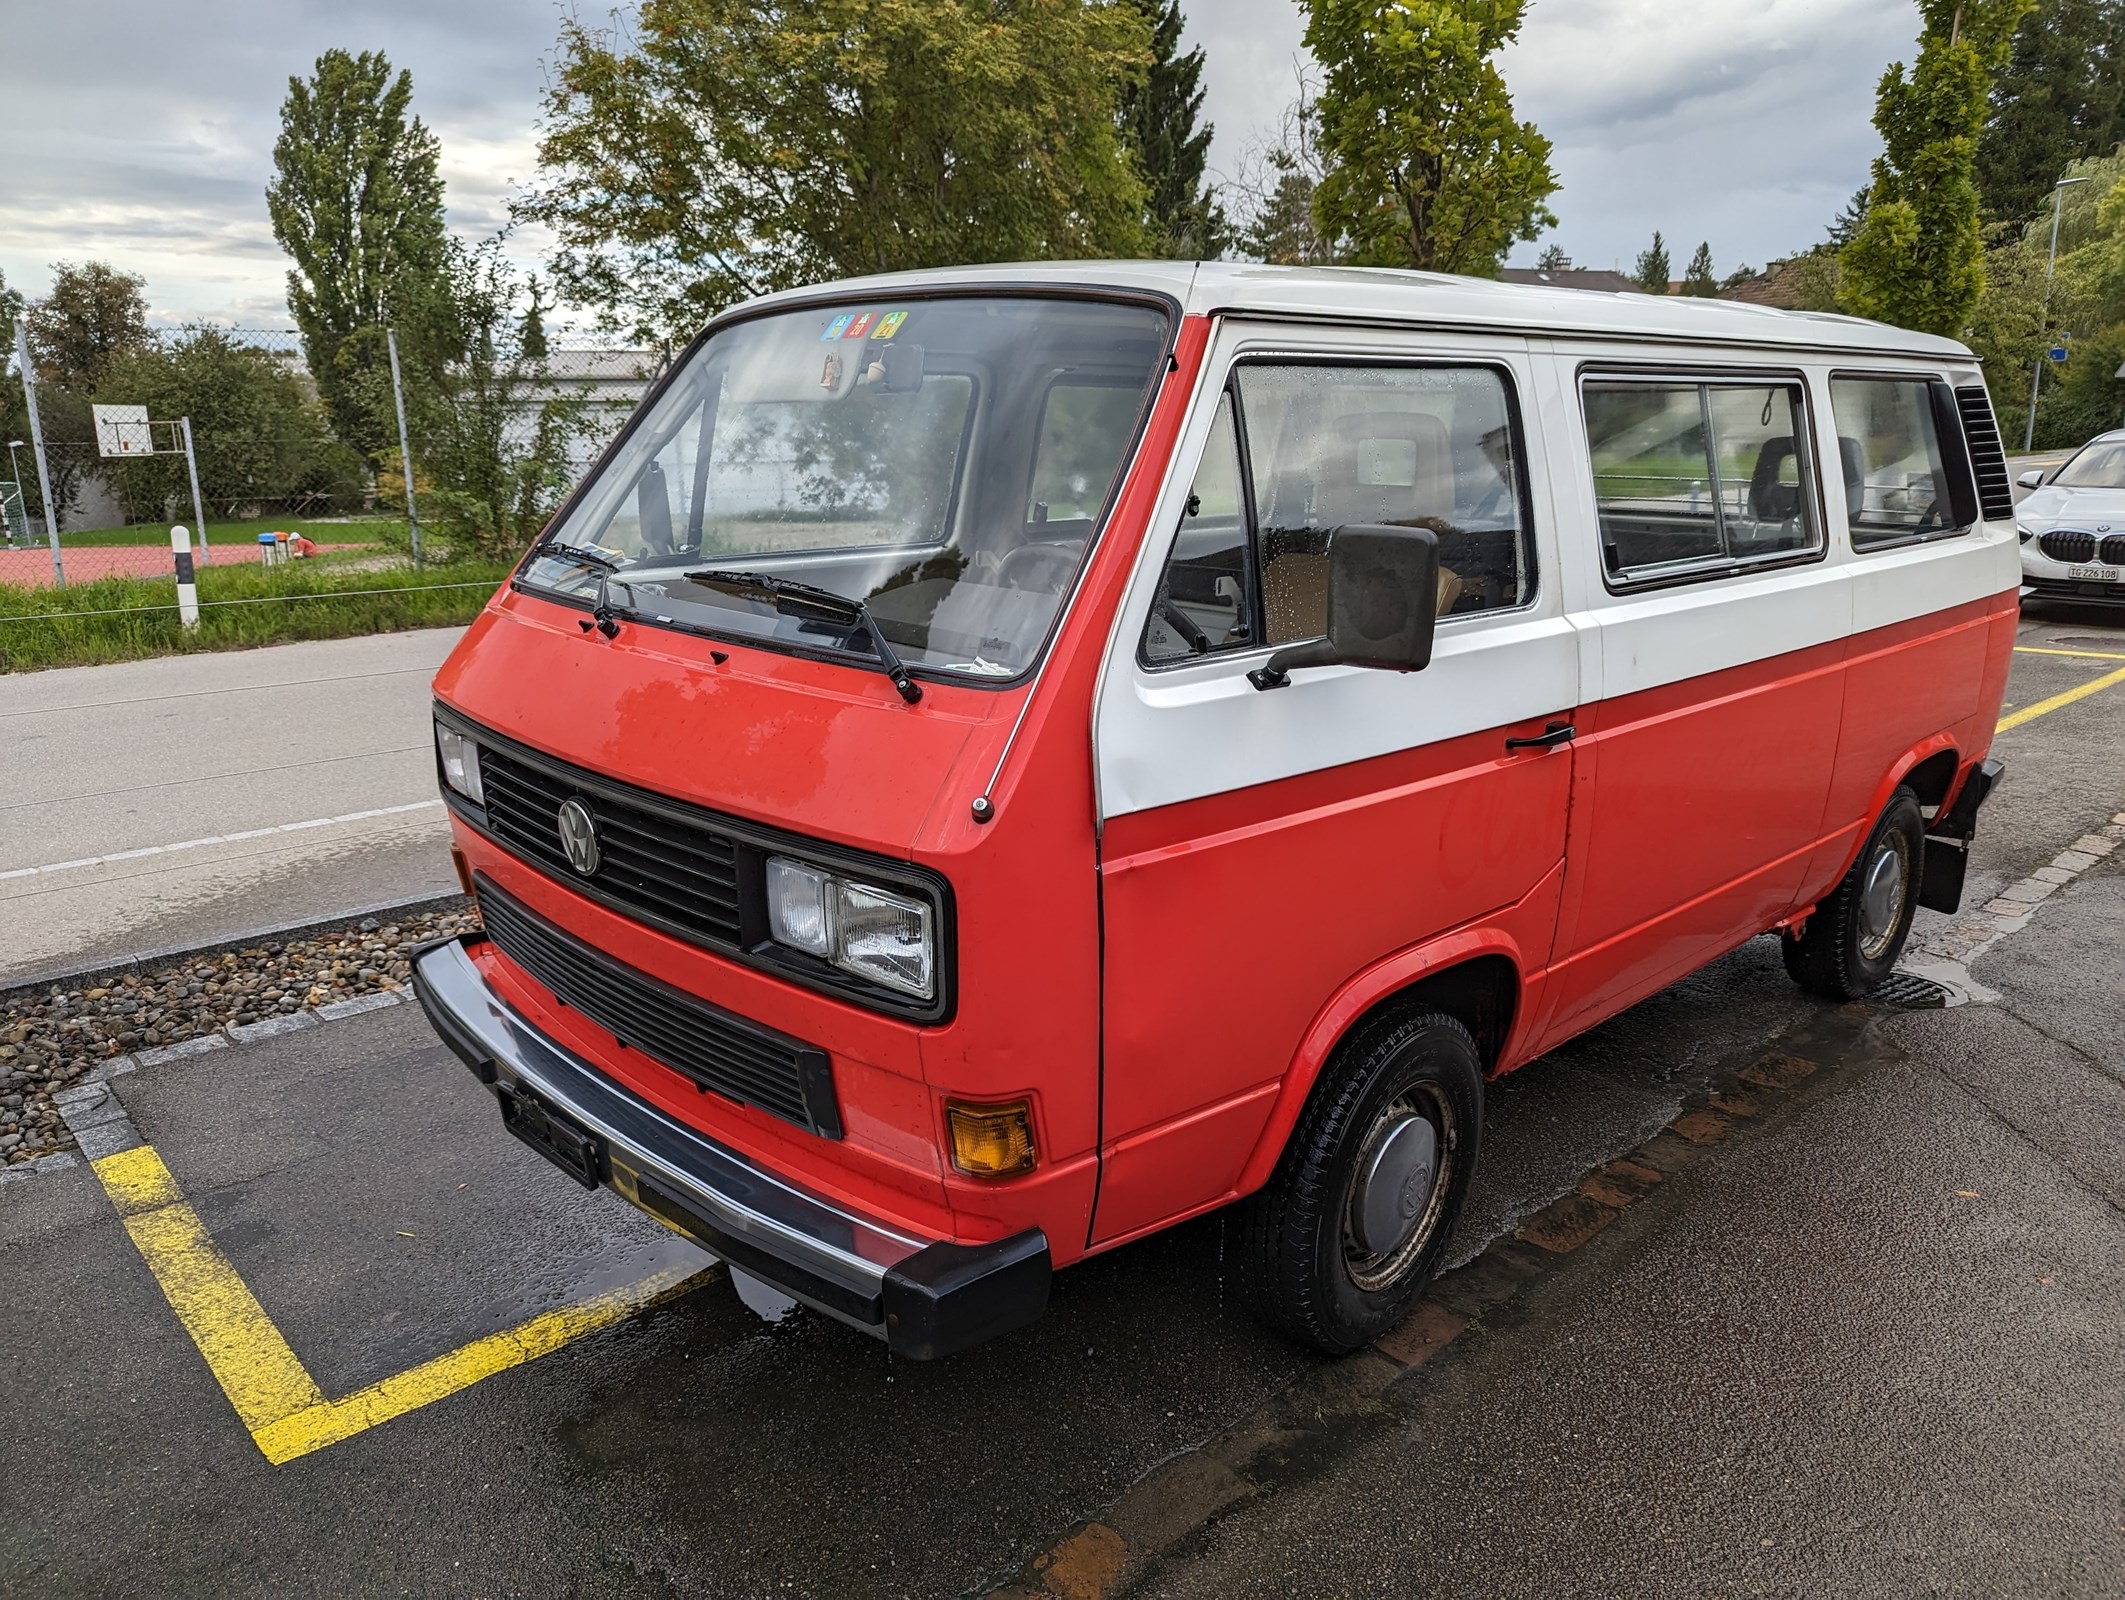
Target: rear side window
(1894, 442)
(1299, 451)
(1697, 479)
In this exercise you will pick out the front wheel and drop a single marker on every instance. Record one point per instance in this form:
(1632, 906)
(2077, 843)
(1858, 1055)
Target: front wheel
(1854, 937)
(1339, 1243)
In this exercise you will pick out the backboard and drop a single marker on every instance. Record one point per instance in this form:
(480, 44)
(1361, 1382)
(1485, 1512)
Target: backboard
(123, 431)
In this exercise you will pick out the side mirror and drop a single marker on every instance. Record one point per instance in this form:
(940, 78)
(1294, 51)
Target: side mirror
(1383, 605)
(2031, 480)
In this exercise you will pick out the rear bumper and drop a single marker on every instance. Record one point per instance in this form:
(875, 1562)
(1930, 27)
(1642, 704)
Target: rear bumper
(925, 1298)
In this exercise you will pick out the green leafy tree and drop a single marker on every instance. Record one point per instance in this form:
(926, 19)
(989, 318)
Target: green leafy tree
(357, 203)
(93, 315)
(2059, 98)
(11, 306)
(1427, 165)
(1162, 122)
(1698, 278)
(1553, 259)
(1653, 272)
(496, 434)
(260, 439)
(1918, 260)
(724, 148)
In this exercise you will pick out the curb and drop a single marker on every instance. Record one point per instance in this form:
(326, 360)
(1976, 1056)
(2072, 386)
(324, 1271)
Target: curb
(88, 977)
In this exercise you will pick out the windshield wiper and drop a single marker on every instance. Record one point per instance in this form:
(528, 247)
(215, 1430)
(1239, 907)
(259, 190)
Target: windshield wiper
(814, 604)
(583, 553)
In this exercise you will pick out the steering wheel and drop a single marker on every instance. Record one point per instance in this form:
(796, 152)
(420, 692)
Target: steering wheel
(1197, 641)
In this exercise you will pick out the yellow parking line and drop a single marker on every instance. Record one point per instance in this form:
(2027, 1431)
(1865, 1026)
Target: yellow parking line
(244, 1351)
(274, 1395)
(330, 1421)
(2046, 707)
(2084, 655)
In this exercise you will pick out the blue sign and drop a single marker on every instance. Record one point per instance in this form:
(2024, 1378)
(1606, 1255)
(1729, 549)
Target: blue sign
(2057, 352)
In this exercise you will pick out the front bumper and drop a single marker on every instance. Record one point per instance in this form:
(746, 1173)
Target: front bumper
(925, 1298)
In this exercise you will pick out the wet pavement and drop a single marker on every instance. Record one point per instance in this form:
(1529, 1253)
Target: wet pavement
(165, 804)
(1807, 1338)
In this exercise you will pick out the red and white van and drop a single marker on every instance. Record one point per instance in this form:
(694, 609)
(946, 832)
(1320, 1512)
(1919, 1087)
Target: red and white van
(995, 762)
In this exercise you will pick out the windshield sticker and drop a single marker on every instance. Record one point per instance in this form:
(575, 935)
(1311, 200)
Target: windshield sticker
(889, 324)
(836, 328)
(860, 327)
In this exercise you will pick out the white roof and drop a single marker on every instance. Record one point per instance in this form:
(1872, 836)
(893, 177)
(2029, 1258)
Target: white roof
(1430, 299)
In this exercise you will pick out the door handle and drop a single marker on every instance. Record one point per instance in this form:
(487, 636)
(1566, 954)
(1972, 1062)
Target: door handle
(1548, 739)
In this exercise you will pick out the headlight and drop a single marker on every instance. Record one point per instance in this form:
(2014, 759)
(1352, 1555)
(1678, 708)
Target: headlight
(461, 763)
(874, 933)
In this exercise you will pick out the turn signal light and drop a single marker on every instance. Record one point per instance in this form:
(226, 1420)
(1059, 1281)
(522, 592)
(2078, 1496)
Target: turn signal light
(464, 869)
(992, 1141)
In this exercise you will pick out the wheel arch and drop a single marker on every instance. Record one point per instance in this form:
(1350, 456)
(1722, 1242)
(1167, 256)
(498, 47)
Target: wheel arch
(1476, 977)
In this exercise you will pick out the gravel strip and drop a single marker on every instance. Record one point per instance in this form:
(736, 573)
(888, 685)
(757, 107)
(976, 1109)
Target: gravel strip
(52, 1040)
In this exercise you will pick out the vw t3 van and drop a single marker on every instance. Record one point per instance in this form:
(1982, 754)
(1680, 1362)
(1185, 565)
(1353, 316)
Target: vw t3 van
(993, 763)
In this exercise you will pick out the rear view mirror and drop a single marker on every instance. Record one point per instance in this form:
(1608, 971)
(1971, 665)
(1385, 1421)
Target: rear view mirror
(894, 368)
(2031, 480)
(1383, 605)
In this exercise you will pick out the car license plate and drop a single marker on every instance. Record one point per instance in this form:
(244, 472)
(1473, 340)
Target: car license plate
(2095, 574)
(576, 1151)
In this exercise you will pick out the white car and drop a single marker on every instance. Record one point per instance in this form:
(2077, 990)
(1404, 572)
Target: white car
(2073, 527)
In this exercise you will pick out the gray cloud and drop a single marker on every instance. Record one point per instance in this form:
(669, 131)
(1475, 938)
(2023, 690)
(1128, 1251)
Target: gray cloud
(142, 133)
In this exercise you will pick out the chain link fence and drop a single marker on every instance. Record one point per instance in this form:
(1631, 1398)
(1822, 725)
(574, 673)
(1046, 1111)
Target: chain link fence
(493, 445)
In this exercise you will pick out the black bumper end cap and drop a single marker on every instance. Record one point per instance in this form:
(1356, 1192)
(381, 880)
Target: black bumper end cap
(946, 1298)
(1960, 822)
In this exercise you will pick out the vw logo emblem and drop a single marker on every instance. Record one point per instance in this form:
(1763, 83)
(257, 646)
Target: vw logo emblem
(579, 836)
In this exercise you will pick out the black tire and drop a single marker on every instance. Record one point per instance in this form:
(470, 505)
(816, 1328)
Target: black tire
(1852, 941)
(1304, 1261)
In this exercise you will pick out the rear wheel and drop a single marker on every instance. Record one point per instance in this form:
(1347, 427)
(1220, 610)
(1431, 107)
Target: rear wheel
(1339, 1243)
(1852, 941)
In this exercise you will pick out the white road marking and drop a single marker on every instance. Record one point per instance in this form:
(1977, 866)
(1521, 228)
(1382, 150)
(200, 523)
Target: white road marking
(222, 838)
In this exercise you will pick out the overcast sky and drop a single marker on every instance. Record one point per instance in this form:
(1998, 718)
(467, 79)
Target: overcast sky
(141, 133)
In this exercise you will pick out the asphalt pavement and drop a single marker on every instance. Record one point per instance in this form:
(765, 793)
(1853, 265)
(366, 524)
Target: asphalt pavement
(171, 803)
(1869, 1338)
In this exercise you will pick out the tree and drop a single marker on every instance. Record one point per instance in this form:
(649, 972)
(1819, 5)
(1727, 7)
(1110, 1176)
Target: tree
(93, 315)
(2060, 97)
(357, 203)
(725, 148)
(1652, 271)
(1845, 226)
(1161, 118)
(495, 433)
(531, 333)
(11, 307)
(1274, 185)
(1918, 260)
(1699, 278)
(1428, 167)
(1553, 259)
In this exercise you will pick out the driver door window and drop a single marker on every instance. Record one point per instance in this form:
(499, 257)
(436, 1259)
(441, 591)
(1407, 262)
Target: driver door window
(1297, 451)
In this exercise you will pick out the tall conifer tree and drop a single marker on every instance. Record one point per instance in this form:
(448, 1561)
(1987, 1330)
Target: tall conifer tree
(1161, 119)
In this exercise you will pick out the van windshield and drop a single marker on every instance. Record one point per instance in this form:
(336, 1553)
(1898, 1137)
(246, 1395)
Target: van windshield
(945, 462)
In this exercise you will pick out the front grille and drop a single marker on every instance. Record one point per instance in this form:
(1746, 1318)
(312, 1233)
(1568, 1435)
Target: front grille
(713, 1049)
(677, 873)
(2113, 552)
(2068, 544)
(1988, 458)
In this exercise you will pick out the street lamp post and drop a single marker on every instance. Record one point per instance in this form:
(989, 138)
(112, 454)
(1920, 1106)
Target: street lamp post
(2036, 378)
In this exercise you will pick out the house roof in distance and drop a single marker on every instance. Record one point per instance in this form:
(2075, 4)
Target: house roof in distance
(1574, 278)
(1427, 299)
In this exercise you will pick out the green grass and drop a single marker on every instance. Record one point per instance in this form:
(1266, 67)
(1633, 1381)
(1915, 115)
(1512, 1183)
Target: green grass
(240, 608)
(325, 530)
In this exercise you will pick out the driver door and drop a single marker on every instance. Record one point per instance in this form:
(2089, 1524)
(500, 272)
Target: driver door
(1261, 850)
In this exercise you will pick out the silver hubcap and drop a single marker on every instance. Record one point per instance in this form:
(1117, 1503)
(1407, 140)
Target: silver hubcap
(1399, 1189)
(1881, 900)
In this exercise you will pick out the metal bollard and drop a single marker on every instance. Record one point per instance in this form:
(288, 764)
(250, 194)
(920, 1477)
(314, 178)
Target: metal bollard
(187, 589)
